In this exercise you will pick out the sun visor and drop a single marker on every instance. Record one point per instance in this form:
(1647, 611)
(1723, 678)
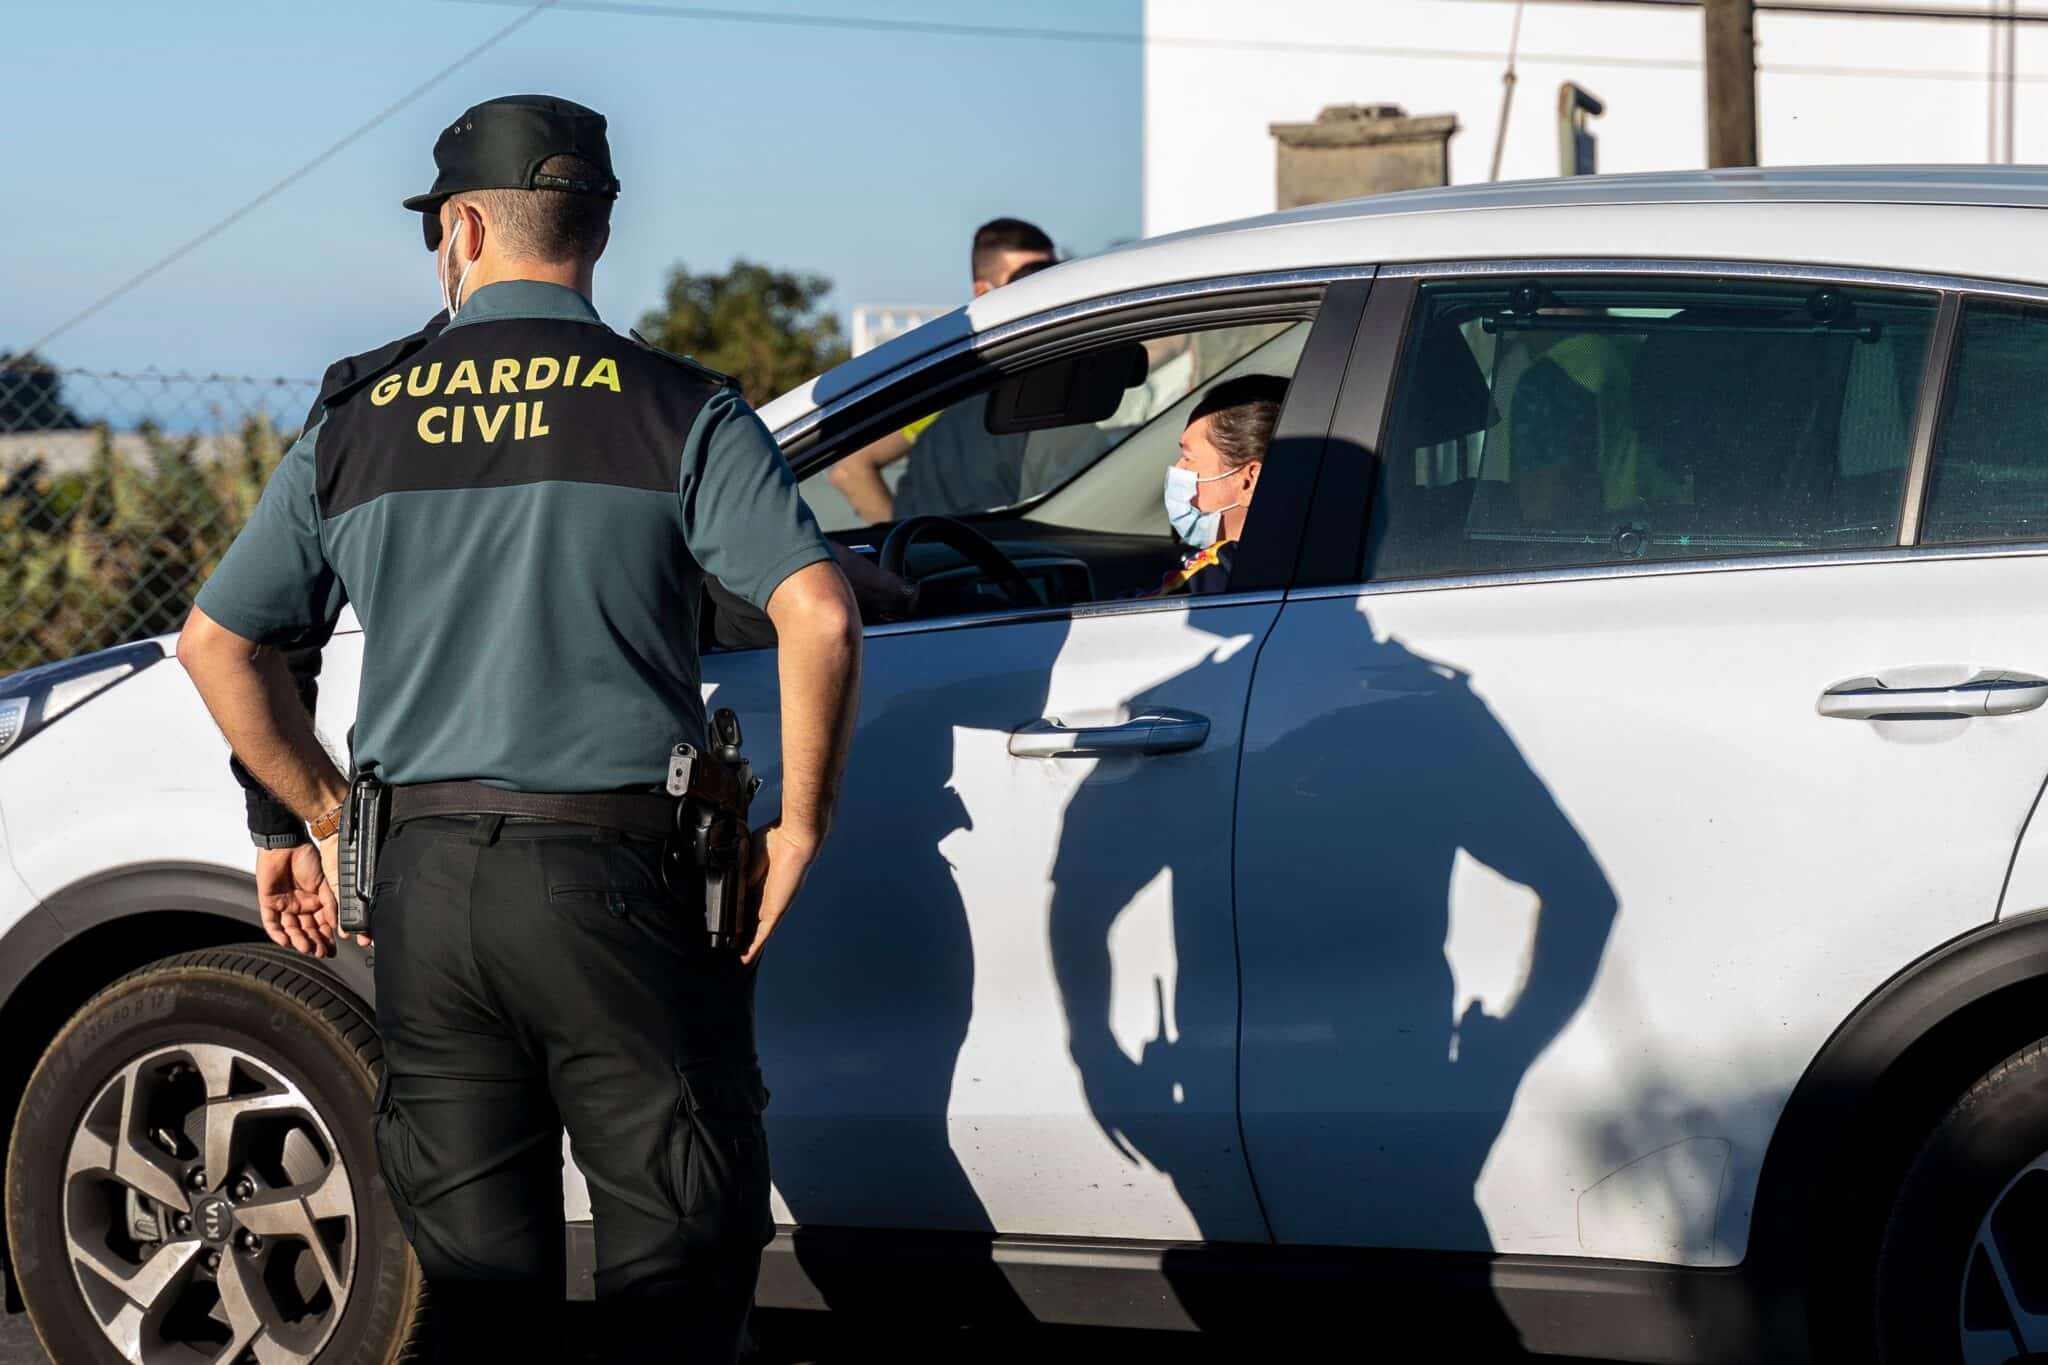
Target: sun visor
(1071, 391)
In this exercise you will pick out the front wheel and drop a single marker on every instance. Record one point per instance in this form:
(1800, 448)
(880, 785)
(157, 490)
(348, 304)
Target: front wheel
(1962, 1275)
(192, 1176)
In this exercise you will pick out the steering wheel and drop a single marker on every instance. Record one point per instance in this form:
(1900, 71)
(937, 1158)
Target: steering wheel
(977, 548)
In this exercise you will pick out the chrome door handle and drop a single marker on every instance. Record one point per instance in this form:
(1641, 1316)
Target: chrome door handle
(1155, 732)
(1994, 693)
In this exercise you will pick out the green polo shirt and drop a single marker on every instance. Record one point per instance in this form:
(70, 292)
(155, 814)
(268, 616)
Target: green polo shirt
(522, 513)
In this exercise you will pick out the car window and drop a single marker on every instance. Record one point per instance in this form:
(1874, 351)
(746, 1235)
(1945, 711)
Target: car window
(1591, 420)
(1989, 479)
(1121, 495)
(948, 463)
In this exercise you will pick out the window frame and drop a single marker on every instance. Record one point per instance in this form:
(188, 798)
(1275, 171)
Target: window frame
(1334, 298)
(2026, 297)
(876, 404)
(1335, 545)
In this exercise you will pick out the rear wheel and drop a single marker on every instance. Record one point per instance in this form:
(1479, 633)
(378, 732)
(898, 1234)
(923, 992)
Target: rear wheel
(192, 1176)
(1963, 1271)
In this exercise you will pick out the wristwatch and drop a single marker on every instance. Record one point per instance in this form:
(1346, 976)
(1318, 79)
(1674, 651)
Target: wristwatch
(289, 839)
(326, 825)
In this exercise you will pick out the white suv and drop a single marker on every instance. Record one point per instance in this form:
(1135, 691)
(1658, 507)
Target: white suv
(1576, 889)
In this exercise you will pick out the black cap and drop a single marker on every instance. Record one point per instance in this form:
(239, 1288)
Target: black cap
(500, 145)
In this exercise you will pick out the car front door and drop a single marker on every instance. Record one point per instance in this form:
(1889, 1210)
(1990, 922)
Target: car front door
(1006, 1001)
(1620, 761)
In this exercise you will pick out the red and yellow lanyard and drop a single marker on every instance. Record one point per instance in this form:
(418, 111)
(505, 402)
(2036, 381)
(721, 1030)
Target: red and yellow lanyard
(1192, 565)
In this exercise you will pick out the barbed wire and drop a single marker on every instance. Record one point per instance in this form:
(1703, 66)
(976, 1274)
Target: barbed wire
(170, 376)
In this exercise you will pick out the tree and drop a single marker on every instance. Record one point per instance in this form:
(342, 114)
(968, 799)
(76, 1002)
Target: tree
(32, 395)
(760, 325)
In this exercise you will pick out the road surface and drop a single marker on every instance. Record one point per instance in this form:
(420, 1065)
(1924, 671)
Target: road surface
(808, 1339)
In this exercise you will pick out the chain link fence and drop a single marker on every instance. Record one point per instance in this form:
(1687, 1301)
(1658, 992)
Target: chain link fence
(119, 492)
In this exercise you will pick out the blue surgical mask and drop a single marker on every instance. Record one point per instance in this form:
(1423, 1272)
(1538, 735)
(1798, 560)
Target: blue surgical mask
(1194, 526)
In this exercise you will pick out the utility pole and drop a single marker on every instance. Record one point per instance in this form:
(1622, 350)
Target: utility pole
(1731, 82)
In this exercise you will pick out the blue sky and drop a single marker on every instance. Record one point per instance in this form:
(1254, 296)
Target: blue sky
(867, 157)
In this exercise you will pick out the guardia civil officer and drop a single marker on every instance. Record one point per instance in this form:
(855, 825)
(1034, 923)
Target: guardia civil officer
(523, 510)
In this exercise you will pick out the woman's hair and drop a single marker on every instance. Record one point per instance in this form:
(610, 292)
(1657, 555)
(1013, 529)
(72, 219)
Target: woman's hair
(1245, 410)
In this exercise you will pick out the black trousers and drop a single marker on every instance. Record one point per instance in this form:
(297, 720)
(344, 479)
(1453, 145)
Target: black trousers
(533, 976)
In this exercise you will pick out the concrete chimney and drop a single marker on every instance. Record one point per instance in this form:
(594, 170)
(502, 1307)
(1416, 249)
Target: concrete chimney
(1355, 149)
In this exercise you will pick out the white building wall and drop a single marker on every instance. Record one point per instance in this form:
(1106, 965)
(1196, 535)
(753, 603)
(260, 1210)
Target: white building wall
(875, 323)
(1830, 88)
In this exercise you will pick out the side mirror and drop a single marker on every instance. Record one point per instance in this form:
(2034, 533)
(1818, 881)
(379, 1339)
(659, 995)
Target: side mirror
(1066, 392)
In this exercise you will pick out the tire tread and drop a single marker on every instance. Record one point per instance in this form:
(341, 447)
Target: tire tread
(275, 970)
(2026, 1068)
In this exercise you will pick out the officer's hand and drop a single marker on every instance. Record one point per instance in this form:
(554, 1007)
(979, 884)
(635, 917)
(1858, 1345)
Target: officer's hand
(330, 904)
(780, 863)
(289, 893)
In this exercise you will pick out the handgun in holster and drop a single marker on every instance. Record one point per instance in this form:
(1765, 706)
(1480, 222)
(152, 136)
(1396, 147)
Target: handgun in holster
(714, 792)
(362, 838)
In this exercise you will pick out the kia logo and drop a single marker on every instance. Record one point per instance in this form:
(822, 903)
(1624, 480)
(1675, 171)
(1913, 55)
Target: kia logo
(215, 1220)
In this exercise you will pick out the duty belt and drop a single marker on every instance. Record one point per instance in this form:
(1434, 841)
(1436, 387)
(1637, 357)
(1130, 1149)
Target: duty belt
(647, 814)
(700, 819)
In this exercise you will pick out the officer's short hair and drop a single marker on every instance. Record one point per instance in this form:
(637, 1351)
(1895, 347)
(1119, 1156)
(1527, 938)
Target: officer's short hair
(1031, 268)
(999, 235)
(551, 225)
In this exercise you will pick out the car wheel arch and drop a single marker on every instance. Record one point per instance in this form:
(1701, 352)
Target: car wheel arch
(96, 931)
(1866, 1102)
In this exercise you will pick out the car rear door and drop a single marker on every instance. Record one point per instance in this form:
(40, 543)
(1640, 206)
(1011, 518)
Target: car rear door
(1630, 750)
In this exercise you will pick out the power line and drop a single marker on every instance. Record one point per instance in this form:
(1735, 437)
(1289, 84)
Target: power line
(1848, 9)
(864, 23)
(266, 196)
(946, 29)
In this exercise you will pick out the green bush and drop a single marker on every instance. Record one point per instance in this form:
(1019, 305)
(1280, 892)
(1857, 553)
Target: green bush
(115, 551)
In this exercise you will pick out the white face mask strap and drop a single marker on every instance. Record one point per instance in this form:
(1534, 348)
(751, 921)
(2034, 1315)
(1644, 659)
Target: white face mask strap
(460, 281)
(454, 302)
(1218, 511)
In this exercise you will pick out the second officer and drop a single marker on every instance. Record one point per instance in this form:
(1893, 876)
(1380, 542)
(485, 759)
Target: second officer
(523, 513)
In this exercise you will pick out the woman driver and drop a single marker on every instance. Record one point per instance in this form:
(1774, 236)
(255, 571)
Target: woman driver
(1209, 488)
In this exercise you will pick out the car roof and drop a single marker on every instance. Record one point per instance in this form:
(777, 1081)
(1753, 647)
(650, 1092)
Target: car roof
(2014, 186)
(1972, 221)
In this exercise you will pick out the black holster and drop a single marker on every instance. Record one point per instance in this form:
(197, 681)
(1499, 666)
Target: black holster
(363, 818)
(712, 845)
(716, 843)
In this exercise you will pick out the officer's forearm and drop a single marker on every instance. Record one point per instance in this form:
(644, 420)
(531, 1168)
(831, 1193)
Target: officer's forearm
(267, 816)
(251, 696)
(818, 628)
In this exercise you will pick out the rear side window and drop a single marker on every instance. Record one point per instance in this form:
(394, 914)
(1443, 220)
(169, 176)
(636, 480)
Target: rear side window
(1989, 480)
(1545, 422)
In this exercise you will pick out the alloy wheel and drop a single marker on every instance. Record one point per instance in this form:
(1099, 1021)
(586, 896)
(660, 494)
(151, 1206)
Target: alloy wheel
(2004, 1302)
(208, 1212)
